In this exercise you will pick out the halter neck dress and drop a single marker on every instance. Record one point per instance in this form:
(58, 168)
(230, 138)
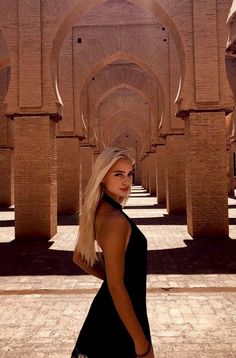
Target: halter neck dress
(103, 334)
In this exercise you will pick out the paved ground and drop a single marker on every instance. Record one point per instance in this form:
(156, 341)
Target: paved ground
(191, 288)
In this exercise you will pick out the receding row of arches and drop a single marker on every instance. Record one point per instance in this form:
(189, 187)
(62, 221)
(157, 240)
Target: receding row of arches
(133, 73)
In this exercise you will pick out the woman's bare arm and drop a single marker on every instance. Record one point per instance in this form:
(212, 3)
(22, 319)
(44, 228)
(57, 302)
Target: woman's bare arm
(112, 237)
(96, 270)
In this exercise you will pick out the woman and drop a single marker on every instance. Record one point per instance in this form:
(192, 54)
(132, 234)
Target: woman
(117, 324)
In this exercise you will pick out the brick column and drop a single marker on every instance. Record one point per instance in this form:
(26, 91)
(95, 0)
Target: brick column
(35, 177)
(6, 161)
(86, 165)
(206, 175)
(145, 174)
(161, 173)
(175, 174)
(142, 171)
(151, 161)
(232, 168)
(68, 175)
(6, 177)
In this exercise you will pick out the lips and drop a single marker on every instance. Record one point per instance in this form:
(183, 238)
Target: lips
(124, 189)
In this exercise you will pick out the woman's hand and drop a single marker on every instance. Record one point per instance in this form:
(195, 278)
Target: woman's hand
(144, 351)
(150, 354)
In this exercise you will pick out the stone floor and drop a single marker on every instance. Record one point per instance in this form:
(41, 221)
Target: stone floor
(191, 291)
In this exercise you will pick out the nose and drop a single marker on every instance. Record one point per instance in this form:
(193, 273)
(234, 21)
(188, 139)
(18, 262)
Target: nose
(127, 180)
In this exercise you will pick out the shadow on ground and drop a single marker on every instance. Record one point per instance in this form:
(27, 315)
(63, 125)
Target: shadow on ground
(200, 256)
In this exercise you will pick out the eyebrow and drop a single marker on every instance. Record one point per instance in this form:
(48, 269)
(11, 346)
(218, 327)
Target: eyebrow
(121, 171)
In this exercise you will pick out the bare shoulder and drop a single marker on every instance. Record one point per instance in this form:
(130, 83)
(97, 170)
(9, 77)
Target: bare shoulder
(110, 223)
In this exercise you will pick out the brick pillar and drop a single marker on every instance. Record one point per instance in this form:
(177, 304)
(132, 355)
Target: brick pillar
(137, 167)
(151, 161)
(86, 165)
(6, 177)
(161, 173)
(175, 174)
(206, 175)
(142, 171)
(145, 174)
(67, 175)
(35, 177)
(6, 158)
(232, 167)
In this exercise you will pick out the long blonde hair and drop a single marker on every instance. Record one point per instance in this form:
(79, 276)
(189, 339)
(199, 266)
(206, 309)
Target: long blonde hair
(85, 244)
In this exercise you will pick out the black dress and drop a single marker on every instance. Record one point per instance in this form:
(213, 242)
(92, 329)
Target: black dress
(103, 334)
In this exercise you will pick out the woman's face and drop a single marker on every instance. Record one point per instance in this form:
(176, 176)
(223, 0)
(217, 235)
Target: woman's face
(118, 180)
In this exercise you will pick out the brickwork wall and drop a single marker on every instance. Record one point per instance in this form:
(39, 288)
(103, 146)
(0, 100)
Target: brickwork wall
(117, 76)
(174, 78)
(65, 84)
(161, 173)
(206, 175)
(35, 177)
(9, 31)
(154, 57)
(4, 125)
(68, 156)
(6, 152)
(232, 166)
(6, 184)
(175, 174)
(151, 160)
(230, 169)
(87, 161)
(30, 72)
(144, 173)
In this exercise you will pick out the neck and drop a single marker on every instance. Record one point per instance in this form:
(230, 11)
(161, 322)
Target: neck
(118, 199)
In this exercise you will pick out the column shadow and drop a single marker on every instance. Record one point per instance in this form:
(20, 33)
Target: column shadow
(200, 256)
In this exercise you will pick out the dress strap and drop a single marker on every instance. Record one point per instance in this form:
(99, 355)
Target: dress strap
(112, 202)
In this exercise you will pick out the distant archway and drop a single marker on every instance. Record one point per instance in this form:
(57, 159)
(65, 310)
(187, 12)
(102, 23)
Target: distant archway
(85, 6)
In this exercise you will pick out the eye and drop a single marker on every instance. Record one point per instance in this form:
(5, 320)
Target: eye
(131, 174)
(118, 174)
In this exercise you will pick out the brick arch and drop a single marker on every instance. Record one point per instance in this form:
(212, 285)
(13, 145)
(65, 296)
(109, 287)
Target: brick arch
(131, 131)
(131, 119)
(132, 59)
(84, 6)
(134, 77)
(113, 116)
(127, 127)
(121, 129)
(118, 103)
(116, 88)
(132, 135)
